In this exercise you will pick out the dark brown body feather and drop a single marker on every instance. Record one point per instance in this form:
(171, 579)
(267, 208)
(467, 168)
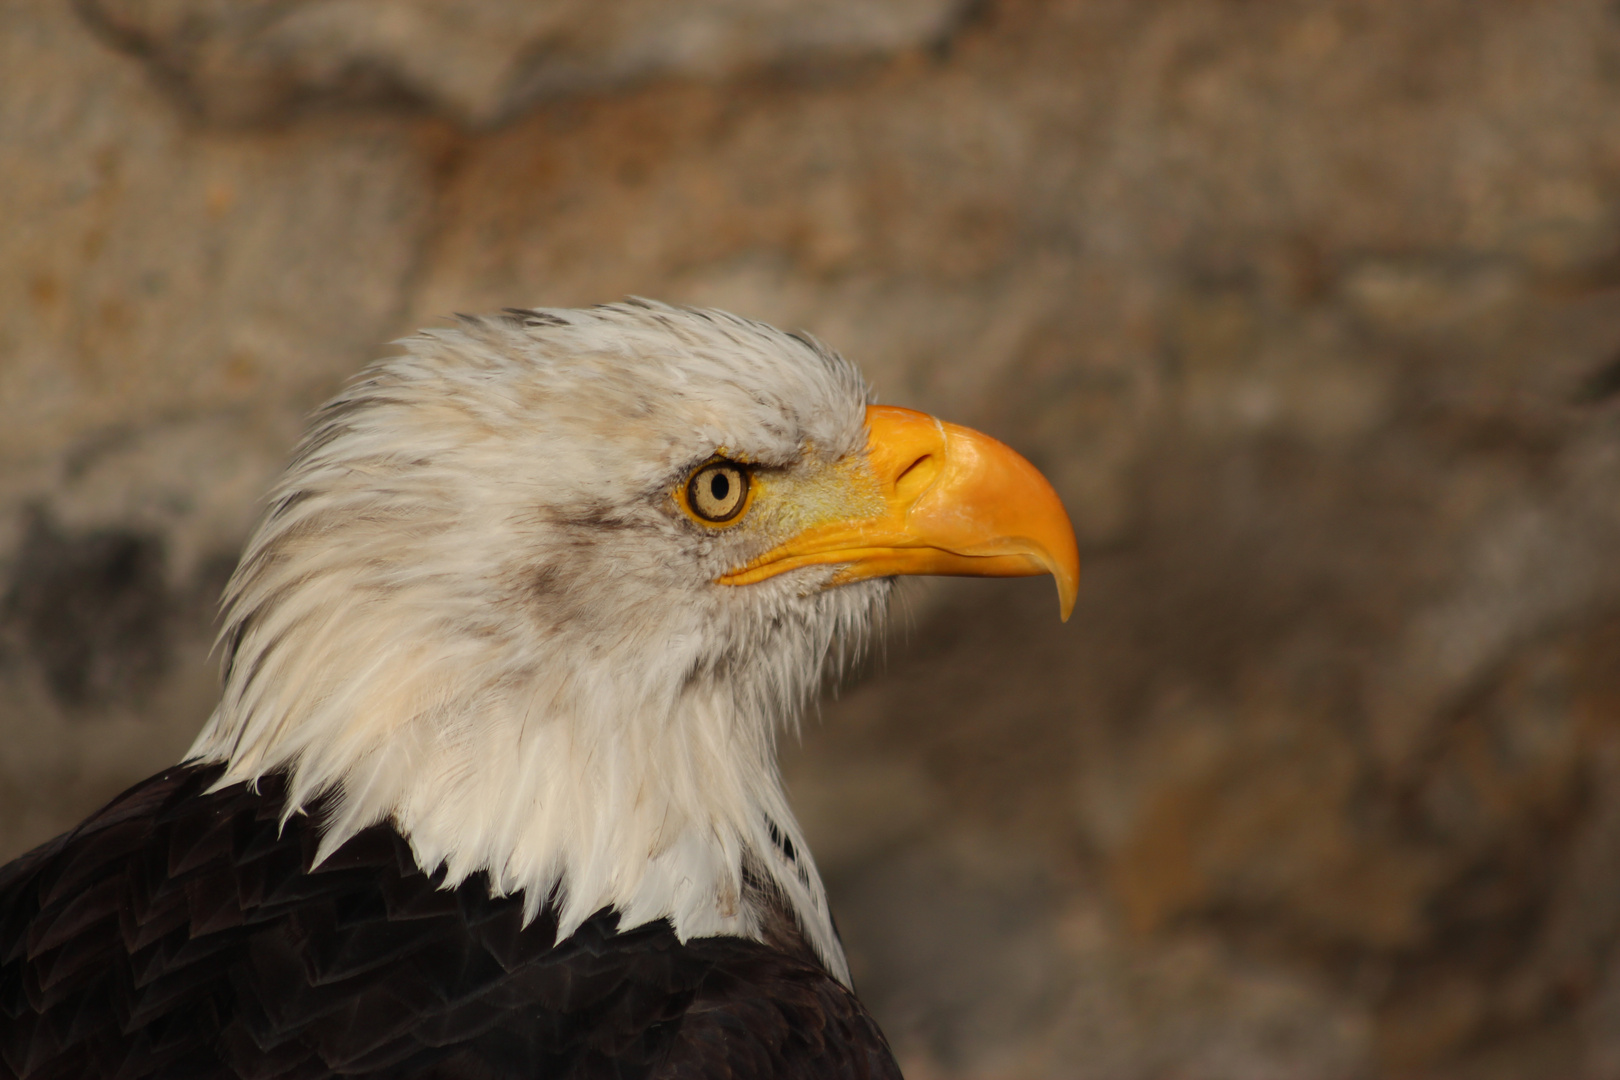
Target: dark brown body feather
(183, 934)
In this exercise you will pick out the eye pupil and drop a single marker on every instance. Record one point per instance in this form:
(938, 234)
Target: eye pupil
(720, 487)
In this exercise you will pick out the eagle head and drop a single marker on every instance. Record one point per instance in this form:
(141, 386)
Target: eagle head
(541, 590)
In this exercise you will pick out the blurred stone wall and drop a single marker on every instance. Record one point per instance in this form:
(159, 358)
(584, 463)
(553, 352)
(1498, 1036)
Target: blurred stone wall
(1310, 308)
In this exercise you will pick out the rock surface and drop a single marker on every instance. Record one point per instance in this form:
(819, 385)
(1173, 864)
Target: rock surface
(1309, 309)
(481, 61)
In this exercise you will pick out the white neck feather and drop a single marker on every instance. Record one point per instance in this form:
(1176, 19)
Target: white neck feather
(653, 813)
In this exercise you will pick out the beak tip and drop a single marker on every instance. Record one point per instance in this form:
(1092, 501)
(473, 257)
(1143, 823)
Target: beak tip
(1064, 566)
(1068, 589)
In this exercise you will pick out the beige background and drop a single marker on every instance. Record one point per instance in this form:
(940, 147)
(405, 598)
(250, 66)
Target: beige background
(1310, 309)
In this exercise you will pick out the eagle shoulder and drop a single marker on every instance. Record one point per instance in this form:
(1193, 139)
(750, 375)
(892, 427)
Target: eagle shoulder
(187, 932)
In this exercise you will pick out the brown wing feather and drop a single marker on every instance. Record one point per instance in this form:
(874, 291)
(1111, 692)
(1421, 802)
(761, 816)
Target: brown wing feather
(181, 933)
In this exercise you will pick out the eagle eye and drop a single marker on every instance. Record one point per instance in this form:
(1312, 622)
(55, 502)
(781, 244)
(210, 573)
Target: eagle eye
(717, 492)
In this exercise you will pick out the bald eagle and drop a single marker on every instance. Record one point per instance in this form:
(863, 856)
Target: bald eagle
(491, 787)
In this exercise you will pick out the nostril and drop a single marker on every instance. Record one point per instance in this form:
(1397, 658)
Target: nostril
(916, 476)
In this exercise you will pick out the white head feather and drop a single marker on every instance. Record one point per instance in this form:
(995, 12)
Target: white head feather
(472, 608)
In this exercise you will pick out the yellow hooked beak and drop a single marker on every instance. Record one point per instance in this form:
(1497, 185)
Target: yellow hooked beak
(954, 501)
